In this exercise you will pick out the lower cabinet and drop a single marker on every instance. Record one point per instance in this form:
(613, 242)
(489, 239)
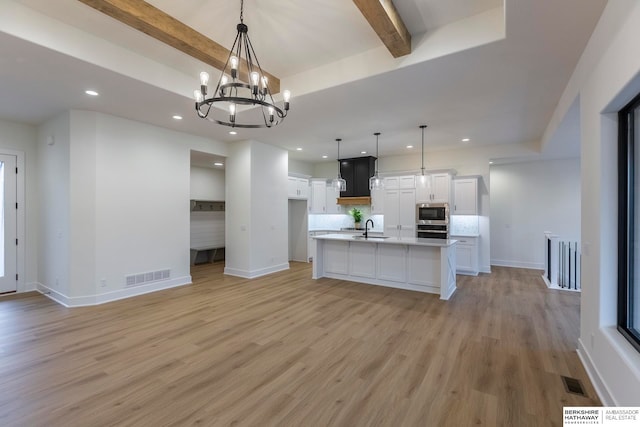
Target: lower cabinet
(466, 255)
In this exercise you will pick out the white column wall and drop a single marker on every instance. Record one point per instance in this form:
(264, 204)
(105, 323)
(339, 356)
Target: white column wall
(257, 210)
(54, 216)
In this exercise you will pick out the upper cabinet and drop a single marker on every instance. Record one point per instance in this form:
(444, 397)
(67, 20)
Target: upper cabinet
(298, 188)
(406, 182)
(434, 188)
(465, 194)
(357, 172)
(318, 203)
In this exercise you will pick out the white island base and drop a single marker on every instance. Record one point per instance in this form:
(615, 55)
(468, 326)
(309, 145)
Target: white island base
(424, 265)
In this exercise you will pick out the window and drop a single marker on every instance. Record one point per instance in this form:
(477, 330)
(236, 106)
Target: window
(629, 222)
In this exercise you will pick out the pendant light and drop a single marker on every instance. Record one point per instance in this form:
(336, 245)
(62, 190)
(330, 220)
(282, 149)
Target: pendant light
(338, 183)
(422, 175)
(375, 182)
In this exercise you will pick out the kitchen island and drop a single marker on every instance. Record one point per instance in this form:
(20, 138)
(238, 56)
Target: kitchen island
(424, 265)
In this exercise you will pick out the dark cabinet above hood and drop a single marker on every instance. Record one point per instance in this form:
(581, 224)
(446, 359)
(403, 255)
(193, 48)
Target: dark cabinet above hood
(356, 172)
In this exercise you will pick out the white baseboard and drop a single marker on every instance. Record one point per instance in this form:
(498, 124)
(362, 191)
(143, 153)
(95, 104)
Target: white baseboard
(594, 376)
(552, 286)
(517, 264)
(97, 299)
(252, 274)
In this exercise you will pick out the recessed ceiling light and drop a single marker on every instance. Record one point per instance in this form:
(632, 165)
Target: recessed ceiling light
(490, 163)
(218, 164)
(409, 146)
(233, 132)
(298, 149)
(91, 92)
(177, 117)
(465, 140)
(325, 156)
(363, 152)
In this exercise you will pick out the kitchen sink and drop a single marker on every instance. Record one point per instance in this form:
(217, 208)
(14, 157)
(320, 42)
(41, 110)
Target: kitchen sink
(374, 238)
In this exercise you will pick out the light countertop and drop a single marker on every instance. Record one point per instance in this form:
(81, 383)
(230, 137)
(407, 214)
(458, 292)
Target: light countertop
(413, 241)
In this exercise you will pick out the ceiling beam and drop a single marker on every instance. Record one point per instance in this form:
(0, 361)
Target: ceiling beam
(144, 17)
(387, 23)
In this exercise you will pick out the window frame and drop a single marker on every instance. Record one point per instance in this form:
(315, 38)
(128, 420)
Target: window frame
(627, 146)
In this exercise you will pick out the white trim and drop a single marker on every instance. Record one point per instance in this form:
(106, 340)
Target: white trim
(20, 216)
(252, 274)
(556, 287)
(518, 264)
(111, 296)
(596, 379)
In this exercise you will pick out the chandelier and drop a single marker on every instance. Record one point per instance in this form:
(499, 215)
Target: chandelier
(230, 93)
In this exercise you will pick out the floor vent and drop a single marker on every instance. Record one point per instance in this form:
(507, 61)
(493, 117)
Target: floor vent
(573, 385)
(144, 278)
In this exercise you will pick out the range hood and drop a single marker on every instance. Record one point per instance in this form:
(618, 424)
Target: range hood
(357, 171)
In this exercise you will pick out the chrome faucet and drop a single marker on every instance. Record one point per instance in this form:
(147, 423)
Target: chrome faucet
(366, 229)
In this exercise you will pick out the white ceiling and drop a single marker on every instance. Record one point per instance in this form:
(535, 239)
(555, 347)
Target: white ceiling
(461, 79)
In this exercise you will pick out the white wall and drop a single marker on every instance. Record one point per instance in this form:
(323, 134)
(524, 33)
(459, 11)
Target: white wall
(23, 138)
(527, 199)
(54, 217)
(117, 195)
(304, 168)
(257, 209)
(207, 184)
(606, 78)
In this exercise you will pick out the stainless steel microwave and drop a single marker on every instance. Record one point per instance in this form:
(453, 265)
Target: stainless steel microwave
(432, 213)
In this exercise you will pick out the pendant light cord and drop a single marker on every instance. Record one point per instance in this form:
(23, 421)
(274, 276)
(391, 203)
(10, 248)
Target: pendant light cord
(377, 134)
(422, 127)
(241, 11)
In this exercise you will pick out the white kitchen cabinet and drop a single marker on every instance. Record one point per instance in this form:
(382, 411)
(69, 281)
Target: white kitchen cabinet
(298, 188)
(434, 188)
(332, 206)
(318, 203)
(391, 263)
(399, 213)
(466, 255)
(465, 196)
(377, 202)
(400, 182)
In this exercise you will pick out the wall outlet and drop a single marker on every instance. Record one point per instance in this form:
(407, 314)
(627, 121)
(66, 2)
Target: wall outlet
(103, 283)
(57, 284)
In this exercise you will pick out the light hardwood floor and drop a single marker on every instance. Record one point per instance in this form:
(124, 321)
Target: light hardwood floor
(286, 350)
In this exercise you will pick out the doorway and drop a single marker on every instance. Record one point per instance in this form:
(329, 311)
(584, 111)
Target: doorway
(8, 224)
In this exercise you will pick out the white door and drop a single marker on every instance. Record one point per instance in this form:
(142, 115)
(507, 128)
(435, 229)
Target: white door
(8, 248)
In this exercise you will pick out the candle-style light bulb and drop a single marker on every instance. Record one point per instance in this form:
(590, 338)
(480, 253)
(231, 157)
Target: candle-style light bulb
(234, 67)
(265, 82)
(232, 112)
(204, 81)
(271, 114)
(204, 78)
(198, 95)
(286, 95)
(255, 78)
(223, 81)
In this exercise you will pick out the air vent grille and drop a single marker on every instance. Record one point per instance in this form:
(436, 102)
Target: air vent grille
(573, 385)
(148, 277)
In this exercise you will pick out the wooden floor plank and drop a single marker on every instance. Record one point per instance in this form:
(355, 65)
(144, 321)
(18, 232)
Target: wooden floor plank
(285, 350)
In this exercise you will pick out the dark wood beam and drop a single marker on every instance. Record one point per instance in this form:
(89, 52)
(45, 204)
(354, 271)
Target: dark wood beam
(387, 23)
(144, 17)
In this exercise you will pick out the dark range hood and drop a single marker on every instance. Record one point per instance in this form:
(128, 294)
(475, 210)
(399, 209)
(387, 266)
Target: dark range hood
(357, 171)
